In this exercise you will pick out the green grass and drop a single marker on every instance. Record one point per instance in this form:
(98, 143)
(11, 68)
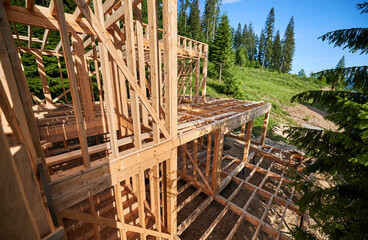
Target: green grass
(263, 85)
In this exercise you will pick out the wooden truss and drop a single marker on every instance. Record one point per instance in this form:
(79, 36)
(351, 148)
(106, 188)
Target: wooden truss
(101, 159)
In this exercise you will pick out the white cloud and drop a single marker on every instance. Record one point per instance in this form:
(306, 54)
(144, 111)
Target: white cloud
(230, 1)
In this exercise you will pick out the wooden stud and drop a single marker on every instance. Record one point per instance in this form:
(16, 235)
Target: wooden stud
(247, 141)
(72, 81)
(264, 129)
(80, 64)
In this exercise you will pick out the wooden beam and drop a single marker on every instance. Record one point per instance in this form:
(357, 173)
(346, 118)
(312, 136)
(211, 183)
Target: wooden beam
(140, 54)
(71, 214)
(106, 77)
(153, 63)
(32, 190)
(248, 138)
(42, 73)
(45, 37)
(18, 87)
(15, 211)
(85, 89)
(73, 82)
(264, 129)
(132, 65)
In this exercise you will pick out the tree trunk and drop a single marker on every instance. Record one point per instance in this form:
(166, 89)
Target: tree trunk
(220, 72)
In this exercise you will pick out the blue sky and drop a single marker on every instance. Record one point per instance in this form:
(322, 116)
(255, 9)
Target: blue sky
(312, 19)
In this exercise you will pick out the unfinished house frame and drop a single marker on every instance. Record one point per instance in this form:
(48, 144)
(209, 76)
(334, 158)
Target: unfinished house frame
(121, 161)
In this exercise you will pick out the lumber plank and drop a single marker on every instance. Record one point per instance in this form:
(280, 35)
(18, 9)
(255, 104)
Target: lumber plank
(31, 188)
(72, 81)
(15, 211)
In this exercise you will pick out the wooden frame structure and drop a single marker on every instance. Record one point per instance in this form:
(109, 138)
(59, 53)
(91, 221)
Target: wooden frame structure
(103, 163)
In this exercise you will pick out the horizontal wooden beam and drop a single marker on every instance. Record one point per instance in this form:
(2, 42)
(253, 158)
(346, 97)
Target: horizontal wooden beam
(41, 17)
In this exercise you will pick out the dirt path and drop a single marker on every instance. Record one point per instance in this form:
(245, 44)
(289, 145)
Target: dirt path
(310, 116)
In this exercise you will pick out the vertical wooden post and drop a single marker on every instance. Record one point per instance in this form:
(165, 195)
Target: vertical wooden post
(119, 208)
(169, 9)
(80, 63)
(72, 81)
(217, 158)
(197, 80)
(208, 161)
(153, 51)
(195, 152)
(131, 60)
(264, 129)
(141, 63)
(107, 82)
(204, 73)
(247, 141)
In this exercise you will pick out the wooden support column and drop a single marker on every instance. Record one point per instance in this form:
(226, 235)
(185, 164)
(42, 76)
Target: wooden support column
(141, 61)
(248, 138)
(73, 82)
(153, 51)
(107, 82)
(132, 65)
(197, 80)
(204, 74)
(42, 73)
(85, 88)
(217, 158)
(264, 129)
(169, 9)
(138, 187)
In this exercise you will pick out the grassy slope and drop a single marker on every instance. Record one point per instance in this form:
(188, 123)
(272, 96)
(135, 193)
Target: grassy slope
(273, 87)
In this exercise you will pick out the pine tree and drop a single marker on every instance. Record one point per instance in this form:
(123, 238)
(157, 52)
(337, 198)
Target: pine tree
(340, 210)
(244, 35)
(261, 47)
(183, 18)
(194, 21)
(277, 52)
(238, 37)
(288, 47)
(252, 42)
(269, 29)
(222, 46)
(210, 18)
(301, 73)
(335, 77)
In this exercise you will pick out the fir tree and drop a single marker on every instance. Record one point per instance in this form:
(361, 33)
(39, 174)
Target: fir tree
(210, 18)
(222, 46)
(238, 37)
(340, 210)
(269, 29)
(301, 73)
(183, 18)
(261, 47)
(288, 47)
(251, 44)
(195, 21)
(241, 56)
(277, 52)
